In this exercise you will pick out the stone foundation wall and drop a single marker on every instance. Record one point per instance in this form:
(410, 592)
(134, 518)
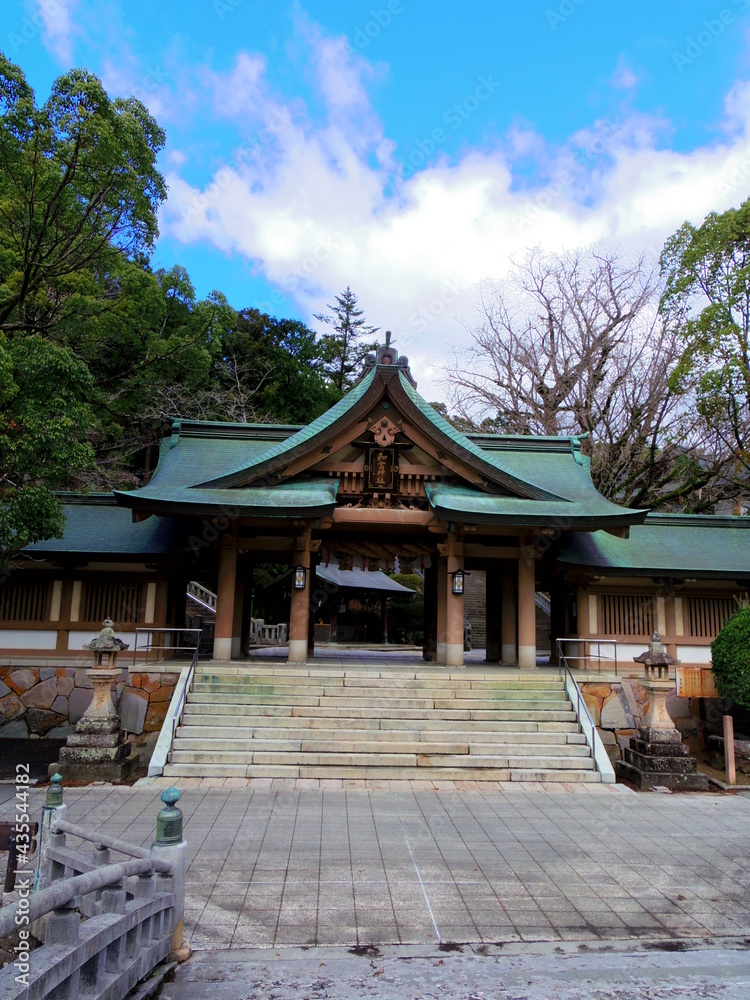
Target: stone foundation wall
(48, 701)
(617, 708)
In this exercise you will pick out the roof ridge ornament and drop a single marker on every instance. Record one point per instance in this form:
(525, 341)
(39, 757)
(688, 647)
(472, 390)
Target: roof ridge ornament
(387, 355)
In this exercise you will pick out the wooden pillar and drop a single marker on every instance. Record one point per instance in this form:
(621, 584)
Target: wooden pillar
(526, 608)
(384, 618)
(492, 612)
(299, 614)
(509, 616)
(670, 631)
(557, 619)
(454, 647)
(225, 597)
(442, 609)
(239, 602)
(63, 633)
(429, 646)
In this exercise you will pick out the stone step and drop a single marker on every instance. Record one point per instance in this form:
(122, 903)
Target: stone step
(281, 693)
(188, 741)
(392, 773)
(362, 758)
(353, 684)
(459, 676)
(384, 703)
(192, 730)
(225, 712)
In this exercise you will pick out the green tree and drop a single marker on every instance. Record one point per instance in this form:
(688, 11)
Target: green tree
(78, 185)
(79, 191)
(344, 350)
(707, 300)
(44, 420)
(730, 657)
(274, 369)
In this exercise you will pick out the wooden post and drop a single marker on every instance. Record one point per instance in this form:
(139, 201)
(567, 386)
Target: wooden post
(429, 648)
(492, 613)
(299, 614)
(442, 608)
(729, 765)
(509, 638)
(454, 618)
(384, 618)
(526, 608)
(225, 598)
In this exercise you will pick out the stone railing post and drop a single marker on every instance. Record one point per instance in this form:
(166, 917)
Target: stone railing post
(54, 809)
(170, 847)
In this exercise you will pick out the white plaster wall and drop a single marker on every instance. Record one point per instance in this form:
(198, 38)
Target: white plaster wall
(21, 638)
(694, 654)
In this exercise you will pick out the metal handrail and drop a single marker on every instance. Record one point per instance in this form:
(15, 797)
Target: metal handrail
(182, 701)
(150, 646)
(598, 753)
(589, 656)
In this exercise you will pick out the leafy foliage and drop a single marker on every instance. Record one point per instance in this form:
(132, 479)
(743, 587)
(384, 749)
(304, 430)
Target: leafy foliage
(44, 420)
(730, 654)
(707, 300)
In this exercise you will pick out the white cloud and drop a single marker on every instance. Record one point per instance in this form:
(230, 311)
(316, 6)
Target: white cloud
(56, 25)
(316, 207)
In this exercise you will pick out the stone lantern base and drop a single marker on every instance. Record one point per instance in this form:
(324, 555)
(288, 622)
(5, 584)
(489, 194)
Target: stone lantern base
(97, 750)
(657, 755)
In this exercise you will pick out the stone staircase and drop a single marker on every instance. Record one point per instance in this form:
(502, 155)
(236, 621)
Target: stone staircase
(347, 723)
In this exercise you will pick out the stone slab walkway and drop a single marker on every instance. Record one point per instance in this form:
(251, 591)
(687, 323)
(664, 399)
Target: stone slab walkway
(536, 973)
(280, 865)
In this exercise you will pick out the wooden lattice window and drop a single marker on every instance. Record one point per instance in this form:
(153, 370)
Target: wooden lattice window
(24, 600)
(706, 615)
(121, 600)
(626, 614)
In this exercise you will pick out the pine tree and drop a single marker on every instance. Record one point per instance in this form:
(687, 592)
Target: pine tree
(344, 349)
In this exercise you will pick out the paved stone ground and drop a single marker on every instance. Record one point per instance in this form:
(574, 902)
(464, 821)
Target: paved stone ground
(417, 974)
(282, 864)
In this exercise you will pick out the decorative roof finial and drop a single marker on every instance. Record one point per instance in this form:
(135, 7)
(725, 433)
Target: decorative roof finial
(387, 355)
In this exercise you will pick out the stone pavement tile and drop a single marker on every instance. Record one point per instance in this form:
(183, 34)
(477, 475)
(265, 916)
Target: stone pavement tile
(235, 783)
(331, 784)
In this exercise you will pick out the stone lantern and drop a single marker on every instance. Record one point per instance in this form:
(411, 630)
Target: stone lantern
(657, 755)
(98, 750)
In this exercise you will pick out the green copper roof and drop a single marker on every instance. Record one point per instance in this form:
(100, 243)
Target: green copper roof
(666, 545)
(312, 497)
(302, 437)
(96, 525)
(208, 466)
(469, 505)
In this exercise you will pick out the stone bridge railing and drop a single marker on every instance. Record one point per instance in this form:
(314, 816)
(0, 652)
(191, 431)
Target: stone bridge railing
(260, 633)
(104, 926)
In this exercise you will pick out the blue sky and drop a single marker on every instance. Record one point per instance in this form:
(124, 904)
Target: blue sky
(411, 148)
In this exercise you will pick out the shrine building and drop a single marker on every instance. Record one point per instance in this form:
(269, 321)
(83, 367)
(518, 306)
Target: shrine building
(379, 480)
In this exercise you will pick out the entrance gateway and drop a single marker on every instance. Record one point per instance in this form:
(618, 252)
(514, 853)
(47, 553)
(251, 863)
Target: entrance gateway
(378, 476)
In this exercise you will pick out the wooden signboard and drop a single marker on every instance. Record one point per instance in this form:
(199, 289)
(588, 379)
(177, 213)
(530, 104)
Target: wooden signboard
(696, 682)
